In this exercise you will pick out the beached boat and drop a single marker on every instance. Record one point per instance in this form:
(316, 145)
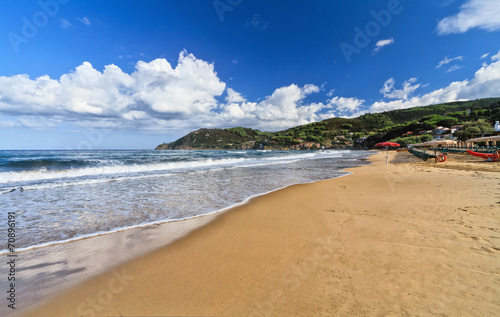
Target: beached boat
(421, 154)
(493, 157)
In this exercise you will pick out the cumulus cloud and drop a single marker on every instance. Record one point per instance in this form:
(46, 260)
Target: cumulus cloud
(486, 83)
(342, 104)
(285, 107)
(162, 98)
(483, 14)
(380, 44)
(496, 57)
(155, 97)
(189, 88)
(484, 55)
(447, 60)
(153, 90)
(233, 96)
(389, 91)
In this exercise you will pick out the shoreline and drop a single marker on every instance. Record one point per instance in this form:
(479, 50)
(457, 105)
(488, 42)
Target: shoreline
(164, 233)
(49, 270)
(157, 223)
(216, 209)
(275, 233)
(162, 222)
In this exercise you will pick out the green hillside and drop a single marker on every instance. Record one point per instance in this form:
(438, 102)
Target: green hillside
(234, 138)
(404, 126)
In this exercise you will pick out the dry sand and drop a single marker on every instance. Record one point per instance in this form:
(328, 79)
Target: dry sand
(410, 238)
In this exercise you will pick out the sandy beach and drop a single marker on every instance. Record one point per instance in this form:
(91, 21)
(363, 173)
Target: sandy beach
(407, 239)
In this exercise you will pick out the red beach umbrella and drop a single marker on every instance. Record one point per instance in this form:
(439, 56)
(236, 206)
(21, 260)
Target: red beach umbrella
(387, 145)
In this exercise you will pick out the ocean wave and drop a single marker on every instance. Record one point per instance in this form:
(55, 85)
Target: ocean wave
(105, 171)
(44, 174)
(148, 223)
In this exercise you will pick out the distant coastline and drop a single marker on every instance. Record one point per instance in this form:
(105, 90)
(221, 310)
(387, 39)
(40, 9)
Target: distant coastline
(455, 120)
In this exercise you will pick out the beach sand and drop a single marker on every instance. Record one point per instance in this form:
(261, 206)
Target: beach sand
(410, 238)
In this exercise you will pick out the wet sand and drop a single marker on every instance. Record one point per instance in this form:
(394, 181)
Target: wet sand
(410, 238)
(46, 271)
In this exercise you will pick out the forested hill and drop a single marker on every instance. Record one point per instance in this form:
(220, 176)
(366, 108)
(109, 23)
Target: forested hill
(405, 126)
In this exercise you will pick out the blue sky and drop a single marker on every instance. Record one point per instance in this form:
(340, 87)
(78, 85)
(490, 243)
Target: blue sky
(129, 74)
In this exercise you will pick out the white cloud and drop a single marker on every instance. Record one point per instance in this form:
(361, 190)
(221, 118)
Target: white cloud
(341, 104)
(135, 115)
(309, 89)
(154, 89)
(8, 124)
(496, 57)
(388, 86)
(189, 88)
(156, 97)
(447, 60)
(390, 92)
(380, 44)
(284, 108)
(160, 98)
(233, 96)
(483, 14)
(84, 20)
(486, 83)
(484, 55)
(65, 23)
(38, 122)
(453, 68)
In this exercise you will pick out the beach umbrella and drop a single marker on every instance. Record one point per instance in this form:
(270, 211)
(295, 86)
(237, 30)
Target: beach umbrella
(387, 145)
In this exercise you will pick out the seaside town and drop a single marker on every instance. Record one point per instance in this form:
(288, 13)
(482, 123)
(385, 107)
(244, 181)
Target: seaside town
(449, 125)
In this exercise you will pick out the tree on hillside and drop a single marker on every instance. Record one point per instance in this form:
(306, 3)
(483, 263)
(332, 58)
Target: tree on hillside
(376, 120)
(432, 120)
(425, 138)
(447, 122)
(471, 128)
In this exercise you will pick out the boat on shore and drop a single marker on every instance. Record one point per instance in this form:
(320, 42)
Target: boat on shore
(492, 157)
(421, 154)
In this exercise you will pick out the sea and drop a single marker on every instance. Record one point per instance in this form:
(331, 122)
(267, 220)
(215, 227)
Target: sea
(61, 196)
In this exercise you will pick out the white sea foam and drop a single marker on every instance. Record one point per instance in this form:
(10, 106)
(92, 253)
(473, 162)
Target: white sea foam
(66, 205)
(44, 174)
(150, 223)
